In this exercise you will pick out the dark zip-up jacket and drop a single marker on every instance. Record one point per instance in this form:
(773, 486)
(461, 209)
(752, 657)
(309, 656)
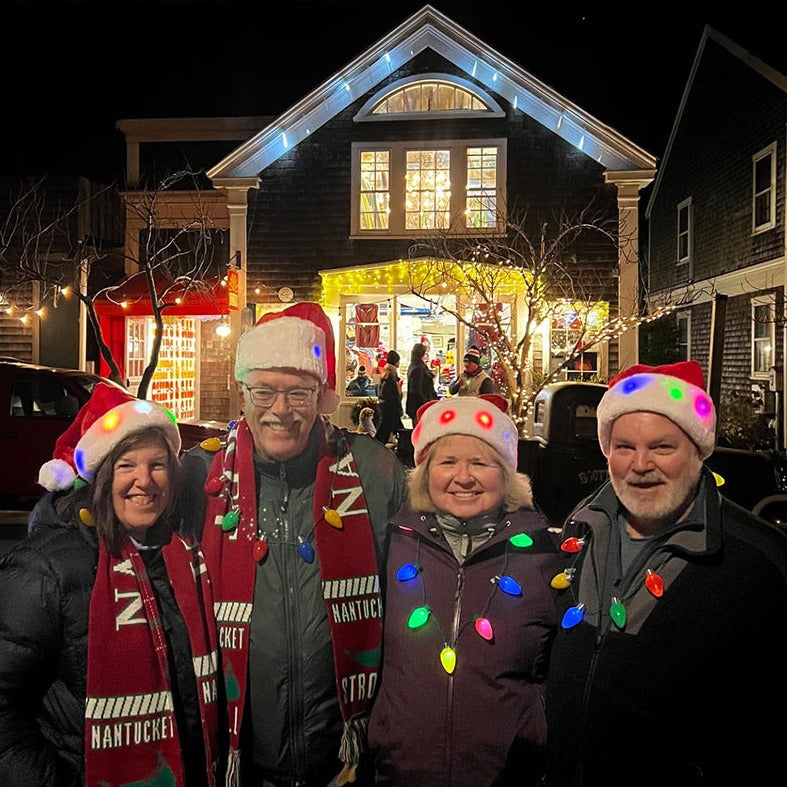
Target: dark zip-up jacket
(484, 724)
(691, 691)
(292, 724)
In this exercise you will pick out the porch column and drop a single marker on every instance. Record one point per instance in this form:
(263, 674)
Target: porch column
(628, 184)
(237, 190)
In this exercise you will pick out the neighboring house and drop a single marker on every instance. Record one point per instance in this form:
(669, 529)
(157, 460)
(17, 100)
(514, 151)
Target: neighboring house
(716, 216)
(49, 224)
(429, 127)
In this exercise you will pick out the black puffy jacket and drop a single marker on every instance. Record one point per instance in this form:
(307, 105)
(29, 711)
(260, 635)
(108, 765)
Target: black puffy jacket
(45, 586)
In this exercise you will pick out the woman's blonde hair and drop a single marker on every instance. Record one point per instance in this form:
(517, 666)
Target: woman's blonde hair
(518, 492)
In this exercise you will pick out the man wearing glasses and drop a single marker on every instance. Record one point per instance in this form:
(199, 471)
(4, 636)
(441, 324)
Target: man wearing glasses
(294, 527)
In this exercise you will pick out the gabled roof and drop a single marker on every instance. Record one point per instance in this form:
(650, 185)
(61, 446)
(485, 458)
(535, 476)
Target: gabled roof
(745, 57)
(429, 28)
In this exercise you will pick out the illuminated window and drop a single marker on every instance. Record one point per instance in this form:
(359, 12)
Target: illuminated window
(481, 188)
(429, 95)
(375, 197)
(685, 221)
(763, 334)
(402, 189)
(428, 190)
(764, 189)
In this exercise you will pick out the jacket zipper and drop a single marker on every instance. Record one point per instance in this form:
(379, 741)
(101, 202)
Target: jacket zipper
(460, 580)
(604, 625)
(289, 580)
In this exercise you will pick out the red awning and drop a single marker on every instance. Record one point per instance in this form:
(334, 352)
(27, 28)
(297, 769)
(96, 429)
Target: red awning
(211, 298)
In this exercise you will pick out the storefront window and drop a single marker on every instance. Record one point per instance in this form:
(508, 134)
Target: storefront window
(174, 380)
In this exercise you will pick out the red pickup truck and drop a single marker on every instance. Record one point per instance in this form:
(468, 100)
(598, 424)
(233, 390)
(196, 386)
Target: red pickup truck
(37, 403)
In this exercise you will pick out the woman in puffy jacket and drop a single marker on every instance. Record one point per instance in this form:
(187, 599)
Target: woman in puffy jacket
(389, 399)
(420, 382)
(108, 644)
(469, 613)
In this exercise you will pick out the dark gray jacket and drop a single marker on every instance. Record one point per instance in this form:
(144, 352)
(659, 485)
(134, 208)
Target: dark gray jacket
(292, 723)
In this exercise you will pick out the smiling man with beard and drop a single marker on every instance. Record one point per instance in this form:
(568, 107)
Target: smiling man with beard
(662, 673)
(293, 535)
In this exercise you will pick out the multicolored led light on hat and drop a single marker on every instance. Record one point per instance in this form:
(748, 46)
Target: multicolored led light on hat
(484, 419)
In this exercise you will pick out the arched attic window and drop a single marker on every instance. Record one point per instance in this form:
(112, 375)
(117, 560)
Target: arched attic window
(429, 96)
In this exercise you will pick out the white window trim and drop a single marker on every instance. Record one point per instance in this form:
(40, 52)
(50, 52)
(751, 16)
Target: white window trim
(769, 151)
(770, 301)
(686, 317)
(397, 150)
(687, 203)
(494, 110)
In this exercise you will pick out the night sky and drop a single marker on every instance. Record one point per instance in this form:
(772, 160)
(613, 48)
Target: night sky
(71, 69)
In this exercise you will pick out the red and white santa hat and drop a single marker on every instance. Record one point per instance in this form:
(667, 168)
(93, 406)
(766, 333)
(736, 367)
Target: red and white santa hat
(481, 416)
(299, 338)
(110, 415)
(676, 391)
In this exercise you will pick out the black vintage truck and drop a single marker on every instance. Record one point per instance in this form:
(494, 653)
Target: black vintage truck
(565, 463)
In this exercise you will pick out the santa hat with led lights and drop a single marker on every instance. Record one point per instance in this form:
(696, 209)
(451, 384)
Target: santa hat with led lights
(299, 338)
(482, 416)
(110, 415)
(676, 391)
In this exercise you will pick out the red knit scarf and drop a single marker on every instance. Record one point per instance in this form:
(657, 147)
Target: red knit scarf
(130, 728)
(348, 568)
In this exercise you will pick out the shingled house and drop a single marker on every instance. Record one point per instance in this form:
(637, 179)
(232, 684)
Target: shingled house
(426, 127)
(716, 218)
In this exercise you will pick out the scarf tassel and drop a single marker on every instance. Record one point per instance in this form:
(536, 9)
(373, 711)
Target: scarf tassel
(232, 778)
(354, 739)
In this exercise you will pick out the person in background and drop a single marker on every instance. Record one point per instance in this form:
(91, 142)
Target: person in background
(389, 398)
(108, 644)
(473, 380)
(361, 384)
(294, 531)
(469, 611)
(661, 673)
(420, 382)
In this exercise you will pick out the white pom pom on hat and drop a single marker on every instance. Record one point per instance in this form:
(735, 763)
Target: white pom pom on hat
(676, 391)
(481, 416)
(301, 338)
(110, 415)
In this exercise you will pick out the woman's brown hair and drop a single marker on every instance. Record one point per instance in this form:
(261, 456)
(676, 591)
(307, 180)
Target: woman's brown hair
(108, 526)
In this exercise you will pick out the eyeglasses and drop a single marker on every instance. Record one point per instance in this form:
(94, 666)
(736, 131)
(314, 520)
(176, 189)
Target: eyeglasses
(265, 397)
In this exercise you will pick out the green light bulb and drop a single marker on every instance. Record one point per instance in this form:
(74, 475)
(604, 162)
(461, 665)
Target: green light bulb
(521, 540)
(618, 613)
(230, 520)
(418, 617)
